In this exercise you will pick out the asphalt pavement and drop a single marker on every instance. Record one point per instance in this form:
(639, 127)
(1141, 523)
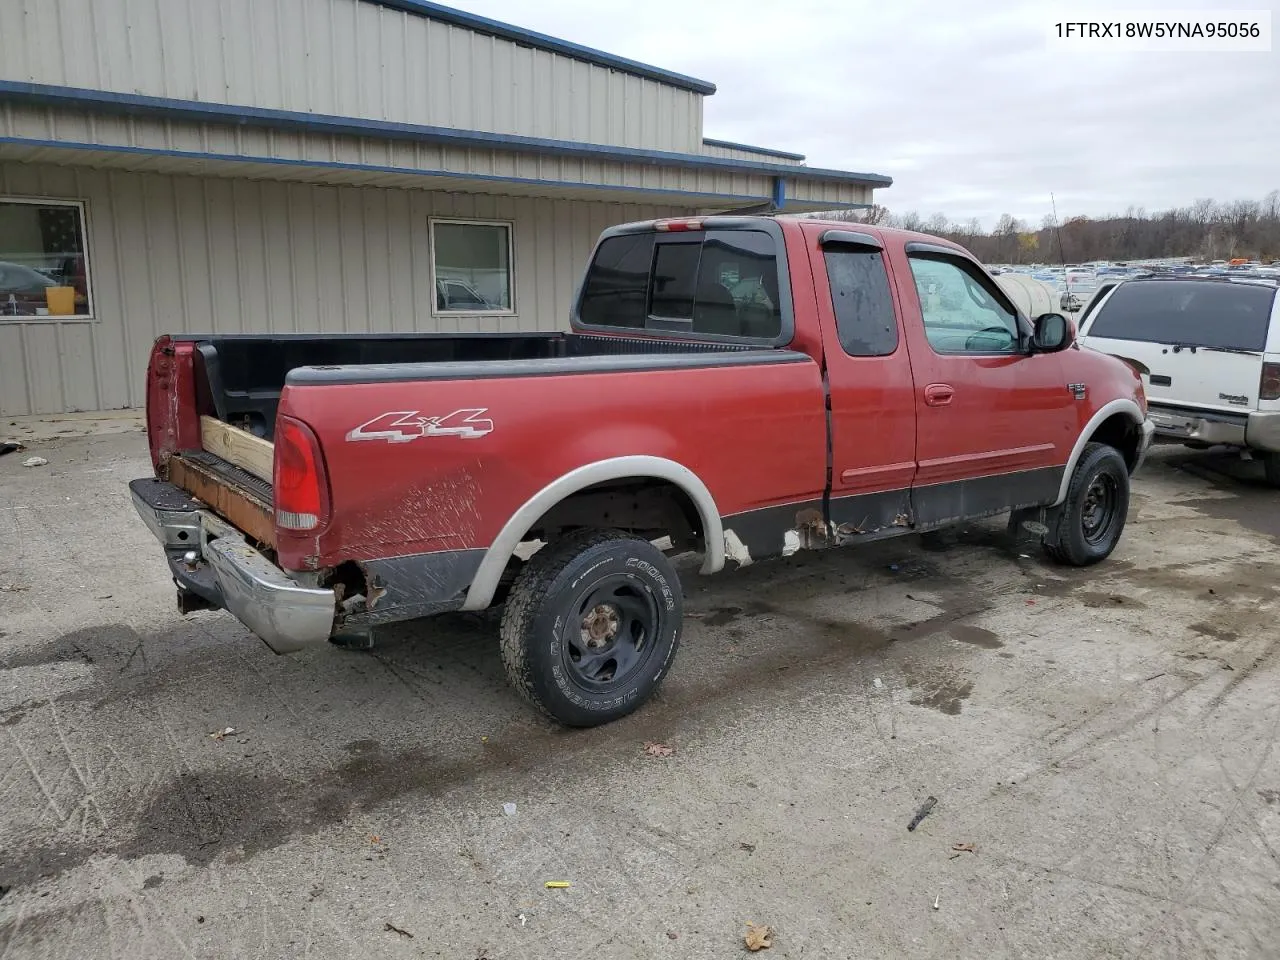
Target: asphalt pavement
(1100, 747)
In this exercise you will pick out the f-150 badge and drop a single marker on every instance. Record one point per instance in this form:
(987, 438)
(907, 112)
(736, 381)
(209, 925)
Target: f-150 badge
(401, 426)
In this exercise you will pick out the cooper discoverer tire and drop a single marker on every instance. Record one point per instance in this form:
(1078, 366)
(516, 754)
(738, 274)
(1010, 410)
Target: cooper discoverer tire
(1086, 527)
(591, 626)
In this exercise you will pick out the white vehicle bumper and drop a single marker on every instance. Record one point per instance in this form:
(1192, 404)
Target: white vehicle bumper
(1256, 431)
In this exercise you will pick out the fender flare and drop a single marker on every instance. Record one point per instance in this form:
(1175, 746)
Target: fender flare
(485, 583)
(1122, 405)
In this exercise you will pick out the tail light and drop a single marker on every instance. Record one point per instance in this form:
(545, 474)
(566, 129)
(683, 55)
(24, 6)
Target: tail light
(1269, 388)
(300, 487)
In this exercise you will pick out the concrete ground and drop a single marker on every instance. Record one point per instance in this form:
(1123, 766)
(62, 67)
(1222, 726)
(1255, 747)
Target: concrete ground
(1104, 739)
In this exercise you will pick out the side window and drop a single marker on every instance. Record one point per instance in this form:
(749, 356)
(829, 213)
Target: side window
(865, 319)
(960, 314)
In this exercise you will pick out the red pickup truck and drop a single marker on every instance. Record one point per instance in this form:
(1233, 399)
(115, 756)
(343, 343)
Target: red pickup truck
(745, 387)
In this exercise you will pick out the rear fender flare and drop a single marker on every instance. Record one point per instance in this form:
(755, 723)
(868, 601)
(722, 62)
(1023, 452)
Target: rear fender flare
(485, 583)
(1121, 405)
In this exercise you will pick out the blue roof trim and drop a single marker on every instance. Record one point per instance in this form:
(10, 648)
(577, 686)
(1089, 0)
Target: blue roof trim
(542, 41)
(763, 151)
(652, 193)
(201, 112)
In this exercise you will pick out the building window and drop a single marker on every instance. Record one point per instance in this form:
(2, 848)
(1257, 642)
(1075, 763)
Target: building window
(471, 266)
(44, 272)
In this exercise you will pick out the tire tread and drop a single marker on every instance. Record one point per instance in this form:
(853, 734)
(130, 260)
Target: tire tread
(1057, 543)
(528, 591)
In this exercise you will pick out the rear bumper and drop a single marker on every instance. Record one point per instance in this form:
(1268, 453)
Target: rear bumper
(1263, 432)
(1257, 430)
(211, 560)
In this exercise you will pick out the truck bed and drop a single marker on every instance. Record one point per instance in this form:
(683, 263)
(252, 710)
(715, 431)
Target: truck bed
(239, 377)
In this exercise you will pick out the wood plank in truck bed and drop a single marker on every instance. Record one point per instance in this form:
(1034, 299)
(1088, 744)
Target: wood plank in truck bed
(238, 446)
(237, 505)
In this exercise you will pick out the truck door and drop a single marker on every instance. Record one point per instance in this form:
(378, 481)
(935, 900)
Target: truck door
(995, 424)
(872, 418)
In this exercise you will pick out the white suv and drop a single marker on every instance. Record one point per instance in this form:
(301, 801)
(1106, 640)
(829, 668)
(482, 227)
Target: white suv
(1208, 350)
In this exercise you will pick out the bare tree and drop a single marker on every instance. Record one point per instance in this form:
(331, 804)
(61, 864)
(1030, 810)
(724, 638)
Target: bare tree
(937, 224)
(1242, 228)
(1271, 206)
(907, 221)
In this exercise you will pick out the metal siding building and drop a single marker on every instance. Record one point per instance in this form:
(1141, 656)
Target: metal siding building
(289, 165)
(348, 58)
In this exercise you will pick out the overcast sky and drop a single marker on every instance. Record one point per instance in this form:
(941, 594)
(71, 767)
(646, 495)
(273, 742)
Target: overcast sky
(960, 101)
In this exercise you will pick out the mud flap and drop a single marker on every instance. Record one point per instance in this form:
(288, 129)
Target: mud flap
(1033, 525)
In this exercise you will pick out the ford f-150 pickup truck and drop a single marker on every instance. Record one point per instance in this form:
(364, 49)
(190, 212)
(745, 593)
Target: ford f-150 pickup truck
(744, 387)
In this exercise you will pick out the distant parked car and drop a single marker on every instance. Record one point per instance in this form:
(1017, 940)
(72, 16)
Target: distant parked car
(22, 289)
(1209, 352)
(460, 295)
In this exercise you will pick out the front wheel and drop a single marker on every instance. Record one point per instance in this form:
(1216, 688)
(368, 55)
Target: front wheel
(1086, 527)
(592, 626)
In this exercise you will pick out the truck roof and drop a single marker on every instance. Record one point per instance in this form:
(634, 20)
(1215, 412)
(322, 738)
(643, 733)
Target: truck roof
(741, 222)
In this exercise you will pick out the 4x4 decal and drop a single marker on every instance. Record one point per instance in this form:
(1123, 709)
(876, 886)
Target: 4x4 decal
(401, 426)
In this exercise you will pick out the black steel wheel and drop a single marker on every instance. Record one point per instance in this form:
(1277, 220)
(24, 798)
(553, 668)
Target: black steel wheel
(1098, 512)
(592, 626)
(608, 635)
(1087, 525)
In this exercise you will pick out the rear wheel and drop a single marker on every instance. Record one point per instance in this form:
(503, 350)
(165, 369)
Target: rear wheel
(1271, 466)
(1086, 527)
(592, 626)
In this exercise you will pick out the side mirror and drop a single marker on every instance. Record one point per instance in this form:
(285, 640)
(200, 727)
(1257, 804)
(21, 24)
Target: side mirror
(1053, 332)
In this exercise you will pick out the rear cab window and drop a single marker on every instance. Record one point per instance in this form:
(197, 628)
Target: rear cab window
(1210, 313)
(709, 284)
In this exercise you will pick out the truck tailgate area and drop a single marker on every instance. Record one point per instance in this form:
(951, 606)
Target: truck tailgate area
(233, 493)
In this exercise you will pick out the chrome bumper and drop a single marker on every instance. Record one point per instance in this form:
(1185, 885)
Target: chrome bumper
(210, 558)
(1209, 429)
(1257, 430)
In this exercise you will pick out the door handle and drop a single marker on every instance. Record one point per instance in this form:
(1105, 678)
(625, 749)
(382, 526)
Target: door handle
(938, 394)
